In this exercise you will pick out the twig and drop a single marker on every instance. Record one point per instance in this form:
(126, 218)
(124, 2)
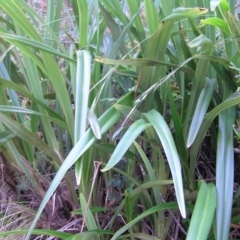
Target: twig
(174, 218)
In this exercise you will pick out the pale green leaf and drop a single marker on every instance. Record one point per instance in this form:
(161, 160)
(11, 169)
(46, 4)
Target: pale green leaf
(200, 110)
(203, 213)
(169, 147)
(128, 138)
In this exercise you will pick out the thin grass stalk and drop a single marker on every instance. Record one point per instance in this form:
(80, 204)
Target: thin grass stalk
(50, 21)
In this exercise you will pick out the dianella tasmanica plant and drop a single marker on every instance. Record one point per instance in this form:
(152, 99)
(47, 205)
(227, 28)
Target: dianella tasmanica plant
(116, 119)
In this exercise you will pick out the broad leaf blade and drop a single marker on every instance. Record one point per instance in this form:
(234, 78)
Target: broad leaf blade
(203, 212)
(200, 110)
(168, 144)
(224, 173)
(125, 142)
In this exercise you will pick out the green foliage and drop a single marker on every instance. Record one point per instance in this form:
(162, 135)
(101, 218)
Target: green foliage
(150, 82)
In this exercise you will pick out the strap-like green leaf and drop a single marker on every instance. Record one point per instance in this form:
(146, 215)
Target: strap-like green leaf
(126, 141)
(181, 12)
(169, 147)
(203, 212)
(224, 173)
(200, 110)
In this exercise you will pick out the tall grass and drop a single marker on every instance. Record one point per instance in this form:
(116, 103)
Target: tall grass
(113, 130)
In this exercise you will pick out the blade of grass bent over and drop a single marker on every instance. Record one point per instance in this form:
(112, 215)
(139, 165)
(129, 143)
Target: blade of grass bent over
(169, 147)
(125, 142)
(181, 12)
(233, 100)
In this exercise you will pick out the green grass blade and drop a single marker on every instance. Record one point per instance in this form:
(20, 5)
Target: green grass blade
(90, 221)
(34, 44)
(217, 22)
(140, 62)
(44, 232)
(93, 122)
(14, 11)
(129, 207)
(140, 236)
(162, 207)
(203, 212)
(200, 110)
(200, 75)
(181, 12)
(155, 50)
(116, 32)
(151, 16)
(178, 128)
(15, 101)
(235, 29)
(83, 79)
(25, 93)
(150, 171)
(224, 173)
(85, 236)
(169, 147)
(82, 83)
(83, 23)
(35, 88)
(4, 108)
(152, 176)
(50, 21)
(125, 142)
(231, 101)
(5, 136)
(28, 136)
(140, 32)
(133, 114)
